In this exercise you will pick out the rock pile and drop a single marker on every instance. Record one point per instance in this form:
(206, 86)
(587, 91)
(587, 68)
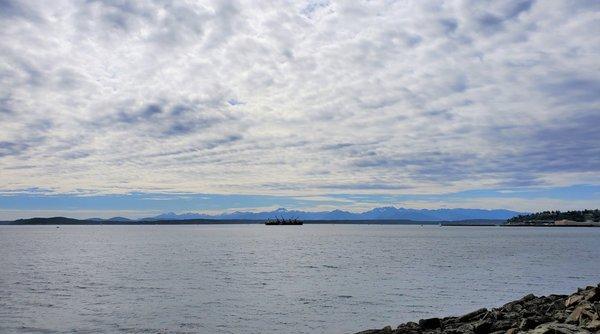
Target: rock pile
(577, 313)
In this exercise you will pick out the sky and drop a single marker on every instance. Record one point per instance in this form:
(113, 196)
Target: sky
(134, 108)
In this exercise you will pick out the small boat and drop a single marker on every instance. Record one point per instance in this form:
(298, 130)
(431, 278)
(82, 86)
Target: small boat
(283, 221)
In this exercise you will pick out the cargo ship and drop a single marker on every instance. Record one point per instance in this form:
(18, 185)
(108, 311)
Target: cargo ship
(283, 221)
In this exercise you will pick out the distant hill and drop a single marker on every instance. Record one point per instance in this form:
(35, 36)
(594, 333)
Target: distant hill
(113, 219)
(49, 221)
(98, 221)
(174, 216)
(71, 221)
(383, 213)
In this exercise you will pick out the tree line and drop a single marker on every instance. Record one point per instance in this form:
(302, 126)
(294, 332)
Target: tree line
(577, 215)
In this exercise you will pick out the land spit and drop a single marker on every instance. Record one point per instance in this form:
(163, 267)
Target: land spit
(564, 314)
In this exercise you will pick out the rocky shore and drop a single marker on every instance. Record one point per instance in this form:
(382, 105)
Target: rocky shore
(576, 313)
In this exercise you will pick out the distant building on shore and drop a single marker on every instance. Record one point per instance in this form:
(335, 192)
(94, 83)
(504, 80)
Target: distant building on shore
(566, 222)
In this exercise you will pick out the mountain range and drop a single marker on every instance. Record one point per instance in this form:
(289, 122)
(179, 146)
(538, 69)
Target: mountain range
(374, 214)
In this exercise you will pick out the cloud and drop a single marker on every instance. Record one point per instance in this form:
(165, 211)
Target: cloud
(572, 90)
(10, 9)
(11, 148)
(298, 98)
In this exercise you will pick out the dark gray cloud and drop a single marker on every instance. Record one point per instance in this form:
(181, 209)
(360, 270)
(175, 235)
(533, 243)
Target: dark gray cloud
(166, 119)
(515, 8)
(572, 90)
(5, 107)
(494, 18)
(12, 148)
(11, 9)
(450, 25)
(363, 186)
(76, 155)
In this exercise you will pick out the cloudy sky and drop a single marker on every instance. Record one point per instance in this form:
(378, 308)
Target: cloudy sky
(120, 107)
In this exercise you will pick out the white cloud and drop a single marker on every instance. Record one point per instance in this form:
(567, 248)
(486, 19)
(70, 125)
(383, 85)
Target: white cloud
(304, 98)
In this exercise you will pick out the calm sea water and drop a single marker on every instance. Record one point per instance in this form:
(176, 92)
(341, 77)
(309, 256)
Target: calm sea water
(259, 279)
